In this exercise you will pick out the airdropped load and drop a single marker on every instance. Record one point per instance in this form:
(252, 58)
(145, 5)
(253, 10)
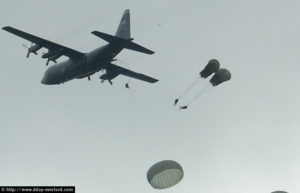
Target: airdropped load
(220, 76)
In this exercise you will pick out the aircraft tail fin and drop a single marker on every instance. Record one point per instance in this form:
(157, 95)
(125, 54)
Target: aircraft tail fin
(124, 26)
(122, 36)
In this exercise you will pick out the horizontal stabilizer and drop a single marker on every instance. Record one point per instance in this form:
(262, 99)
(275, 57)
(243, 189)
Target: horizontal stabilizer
(110, 38)
(127, 43)
(139, 76)
(132, 74)
(138, 48)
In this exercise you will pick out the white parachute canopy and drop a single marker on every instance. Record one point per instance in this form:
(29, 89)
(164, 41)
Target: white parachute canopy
(164, 174)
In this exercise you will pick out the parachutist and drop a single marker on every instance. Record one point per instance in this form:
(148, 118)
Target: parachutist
(127, 85)
(175, 102)
(183, 107)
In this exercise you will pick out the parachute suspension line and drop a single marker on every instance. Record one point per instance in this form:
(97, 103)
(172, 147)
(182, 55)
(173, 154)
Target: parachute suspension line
(189, 88)
(202, 91)
(186, 90)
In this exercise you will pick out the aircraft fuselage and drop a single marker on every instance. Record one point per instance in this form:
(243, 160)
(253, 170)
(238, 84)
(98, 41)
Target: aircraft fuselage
(89, 64)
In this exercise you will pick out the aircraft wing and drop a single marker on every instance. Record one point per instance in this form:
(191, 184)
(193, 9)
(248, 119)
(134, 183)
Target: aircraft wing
(132, 74)
(44, 43)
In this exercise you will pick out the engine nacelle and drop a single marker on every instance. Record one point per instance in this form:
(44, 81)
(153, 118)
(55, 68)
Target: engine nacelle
(53, 58)
(32, 49)
(53, 53)
(35, 48)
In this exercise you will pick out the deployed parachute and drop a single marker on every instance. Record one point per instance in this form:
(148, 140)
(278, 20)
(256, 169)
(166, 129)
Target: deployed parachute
(164, 174)
(212, 67)
(279, 192)
(220, 76)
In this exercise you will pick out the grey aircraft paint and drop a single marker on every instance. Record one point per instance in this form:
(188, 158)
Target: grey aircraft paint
(81, 65)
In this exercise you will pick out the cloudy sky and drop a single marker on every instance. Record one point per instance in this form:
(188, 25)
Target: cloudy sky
(242, 136)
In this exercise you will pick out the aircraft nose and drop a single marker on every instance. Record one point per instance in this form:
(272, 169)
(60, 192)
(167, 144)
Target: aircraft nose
(47, 77)
(44, 80)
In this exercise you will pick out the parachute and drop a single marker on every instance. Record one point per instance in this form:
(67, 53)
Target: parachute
(279, 192)
(212, 67)
(220, 76)
(164, 174)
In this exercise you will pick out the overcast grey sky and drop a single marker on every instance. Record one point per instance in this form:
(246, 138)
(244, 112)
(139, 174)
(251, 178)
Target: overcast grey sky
(240, 137)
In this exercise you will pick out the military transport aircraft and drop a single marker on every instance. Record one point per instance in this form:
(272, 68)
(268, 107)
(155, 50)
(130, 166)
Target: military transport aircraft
(81, 65)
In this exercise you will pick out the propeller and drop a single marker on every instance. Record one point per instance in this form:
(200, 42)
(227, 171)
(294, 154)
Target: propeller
(28, 48)
(47, 59)
(33, 48)
(110, 82)
(52, 58)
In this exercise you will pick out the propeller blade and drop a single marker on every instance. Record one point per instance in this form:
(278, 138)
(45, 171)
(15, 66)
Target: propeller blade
(24, 45)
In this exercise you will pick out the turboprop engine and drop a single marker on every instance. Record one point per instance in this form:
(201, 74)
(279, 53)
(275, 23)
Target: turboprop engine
(32, 49)
(52, 55)
(109, 75)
